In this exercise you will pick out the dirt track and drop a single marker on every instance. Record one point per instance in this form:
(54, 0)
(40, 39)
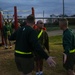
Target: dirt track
(56, 32)
(53, 33)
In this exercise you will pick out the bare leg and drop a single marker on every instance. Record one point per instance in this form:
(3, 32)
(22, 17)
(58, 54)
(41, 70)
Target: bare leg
(5, 43)
(41, 64)
(9, 43)
(37, 66)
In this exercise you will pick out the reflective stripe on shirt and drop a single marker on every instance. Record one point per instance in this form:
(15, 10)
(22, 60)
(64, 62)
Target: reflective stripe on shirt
(40, 33)
(72, 51)
(19, 52)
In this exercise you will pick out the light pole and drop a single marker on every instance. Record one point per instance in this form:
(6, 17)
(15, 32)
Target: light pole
(43, 16)
(7, 15)
(63, 9)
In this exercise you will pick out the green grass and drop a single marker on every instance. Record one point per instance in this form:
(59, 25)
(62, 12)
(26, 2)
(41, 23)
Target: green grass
(55, 39)
(52, 28)
(8, 67)
(56, 51)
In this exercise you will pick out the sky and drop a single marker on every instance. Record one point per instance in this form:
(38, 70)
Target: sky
(48, 6)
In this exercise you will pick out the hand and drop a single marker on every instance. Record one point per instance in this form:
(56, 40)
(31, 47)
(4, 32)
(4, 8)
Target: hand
(51, 62)
(65, 57)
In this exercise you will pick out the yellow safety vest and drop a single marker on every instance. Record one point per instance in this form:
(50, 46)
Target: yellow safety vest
(40, 33)
(72, 51)
(20, 52)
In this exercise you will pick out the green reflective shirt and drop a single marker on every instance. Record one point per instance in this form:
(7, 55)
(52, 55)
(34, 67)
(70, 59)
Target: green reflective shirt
(6, 29)
(68, 41)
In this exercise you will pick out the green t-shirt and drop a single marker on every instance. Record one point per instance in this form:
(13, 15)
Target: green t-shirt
(68, 41)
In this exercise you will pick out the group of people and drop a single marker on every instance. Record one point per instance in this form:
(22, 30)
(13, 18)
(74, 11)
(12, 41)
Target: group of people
(31, 42)
(7, 29)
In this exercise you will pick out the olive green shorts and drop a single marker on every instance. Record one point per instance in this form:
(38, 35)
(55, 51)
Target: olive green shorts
(25, 65)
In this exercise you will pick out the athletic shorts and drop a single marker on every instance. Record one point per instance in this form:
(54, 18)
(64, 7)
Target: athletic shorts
(70, 62)
(25, 65)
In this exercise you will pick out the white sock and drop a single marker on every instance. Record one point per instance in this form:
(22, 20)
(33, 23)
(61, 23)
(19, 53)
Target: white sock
(41, 72)
(37, 73)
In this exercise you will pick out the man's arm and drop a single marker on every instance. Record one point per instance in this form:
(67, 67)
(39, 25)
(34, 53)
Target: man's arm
(39, 50)
(36, 46)
(46, 44)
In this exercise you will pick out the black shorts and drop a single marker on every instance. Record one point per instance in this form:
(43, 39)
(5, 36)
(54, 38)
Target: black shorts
(70, 62)
(25, 65)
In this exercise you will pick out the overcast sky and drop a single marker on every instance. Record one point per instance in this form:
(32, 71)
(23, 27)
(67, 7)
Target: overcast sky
(48, 6)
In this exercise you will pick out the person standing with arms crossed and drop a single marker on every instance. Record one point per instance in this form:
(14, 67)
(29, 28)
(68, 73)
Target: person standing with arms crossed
(69, 47)
(26, 44)
(44, 42)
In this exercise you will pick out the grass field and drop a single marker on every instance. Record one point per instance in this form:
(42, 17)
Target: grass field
(8, 67)
(57, 28)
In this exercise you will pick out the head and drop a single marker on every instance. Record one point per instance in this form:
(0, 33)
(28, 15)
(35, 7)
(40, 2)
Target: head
(30, 20)
(63, 24)
(40, 24)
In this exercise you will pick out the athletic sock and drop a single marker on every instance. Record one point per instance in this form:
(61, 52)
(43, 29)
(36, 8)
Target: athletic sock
(37, 73)
(41, 72)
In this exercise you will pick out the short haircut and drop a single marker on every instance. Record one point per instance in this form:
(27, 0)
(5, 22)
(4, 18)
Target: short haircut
(39, 21)
(30, 19)
(64, 21)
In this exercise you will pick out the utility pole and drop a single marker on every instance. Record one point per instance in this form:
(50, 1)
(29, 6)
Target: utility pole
(8, 15)
(63, 9)
(43, 16)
